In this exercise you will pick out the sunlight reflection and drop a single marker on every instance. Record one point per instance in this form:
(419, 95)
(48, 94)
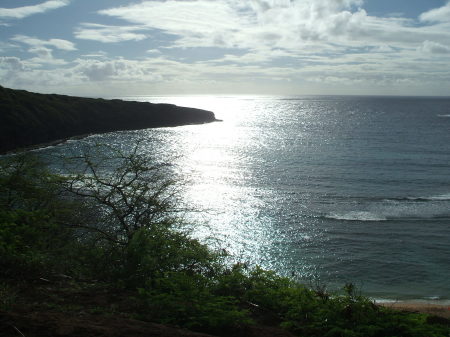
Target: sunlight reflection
(219, 152)
(223, 164)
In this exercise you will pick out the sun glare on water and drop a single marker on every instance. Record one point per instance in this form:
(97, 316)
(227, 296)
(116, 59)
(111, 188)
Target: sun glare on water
(216, 162)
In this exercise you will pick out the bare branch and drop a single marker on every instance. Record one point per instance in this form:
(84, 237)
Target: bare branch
(127, 188)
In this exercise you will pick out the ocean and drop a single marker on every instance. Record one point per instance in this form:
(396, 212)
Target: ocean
(325, 189)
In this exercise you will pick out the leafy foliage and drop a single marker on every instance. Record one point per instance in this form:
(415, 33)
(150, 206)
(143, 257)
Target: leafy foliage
(29, 210)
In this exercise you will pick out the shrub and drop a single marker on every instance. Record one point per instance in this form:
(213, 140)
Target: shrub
(30, 235)
(188, 300)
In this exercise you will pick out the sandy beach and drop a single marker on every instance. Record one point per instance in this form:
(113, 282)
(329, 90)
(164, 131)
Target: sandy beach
(441, 310)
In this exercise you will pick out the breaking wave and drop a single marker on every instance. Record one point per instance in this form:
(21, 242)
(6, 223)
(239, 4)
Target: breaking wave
(384, 209)
(441, 197)
(356, 216)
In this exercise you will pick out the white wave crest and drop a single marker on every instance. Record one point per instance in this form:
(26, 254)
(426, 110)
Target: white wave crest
(440, 197)
(357, 216)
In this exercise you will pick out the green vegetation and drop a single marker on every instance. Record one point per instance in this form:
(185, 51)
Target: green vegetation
(28, 118)
(97, 232)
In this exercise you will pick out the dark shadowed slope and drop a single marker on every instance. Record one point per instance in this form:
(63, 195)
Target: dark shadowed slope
(28, 118)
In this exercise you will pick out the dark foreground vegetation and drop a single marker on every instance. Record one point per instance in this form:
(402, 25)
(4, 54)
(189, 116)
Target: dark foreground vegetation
(101, 253)
(28, 118)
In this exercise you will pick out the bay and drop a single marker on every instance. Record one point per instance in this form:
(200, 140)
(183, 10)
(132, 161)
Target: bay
(326, 189)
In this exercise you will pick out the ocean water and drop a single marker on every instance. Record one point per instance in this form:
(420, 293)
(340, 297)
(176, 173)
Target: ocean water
(325, 189)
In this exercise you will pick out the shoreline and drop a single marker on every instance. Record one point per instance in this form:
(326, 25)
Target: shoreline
(424, 307)
(40, 146)
(56, 142)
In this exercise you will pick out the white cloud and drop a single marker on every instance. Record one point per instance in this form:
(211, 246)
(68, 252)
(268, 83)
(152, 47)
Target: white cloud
(56, 43)
(154, 51)
(199, 23)
(108, 34)
(7, 47)
(23, 12)
(116, 69)
(383, 48)
(10, 68)
(278, 24)
(435, 48)
(41, 52)
(179, 16)
(346, 73)
(44, 56)
(98, 54)
(100, 71)
(253, 57)
(11, 63)
(441, 14)
(303, 43)
(61, 44)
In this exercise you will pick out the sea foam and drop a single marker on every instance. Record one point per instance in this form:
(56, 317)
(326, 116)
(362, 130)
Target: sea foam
(357, 216)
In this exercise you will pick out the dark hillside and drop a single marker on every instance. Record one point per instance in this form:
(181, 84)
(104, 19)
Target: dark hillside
(28, 118)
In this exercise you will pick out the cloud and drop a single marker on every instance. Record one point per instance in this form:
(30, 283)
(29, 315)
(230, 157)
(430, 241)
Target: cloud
(200, 23)
(441, 14)
(116, 69)
(23, 12)
(435, 48)
(253, 57)
(305, 43)
(11, 63)
(41, 52)
(109, 34)
(10, 68)
(99, 71)
(178, 16)
(98, 54)
(56, 43)
(291, 25)
(154, 51)
(44, 56)
(345, 73)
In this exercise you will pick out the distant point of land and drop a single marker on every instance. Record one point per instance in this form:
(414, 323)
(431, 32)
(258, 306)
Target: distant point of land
(28, 119)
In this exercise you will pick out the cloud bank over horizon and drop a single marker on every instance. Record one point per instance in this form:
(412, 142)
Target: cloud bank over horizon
(227, 46)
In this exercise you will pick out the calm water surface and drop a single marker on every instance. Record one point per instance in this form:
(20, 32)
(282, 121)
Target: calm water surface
(327, 189)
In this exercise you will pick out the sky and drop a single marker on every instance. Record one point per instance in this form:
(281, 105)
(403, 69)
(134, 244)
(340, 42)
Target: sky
(107, 48)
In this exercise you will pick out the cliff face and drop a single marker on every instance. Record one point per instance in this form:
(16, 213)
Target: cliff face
(28, 118)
